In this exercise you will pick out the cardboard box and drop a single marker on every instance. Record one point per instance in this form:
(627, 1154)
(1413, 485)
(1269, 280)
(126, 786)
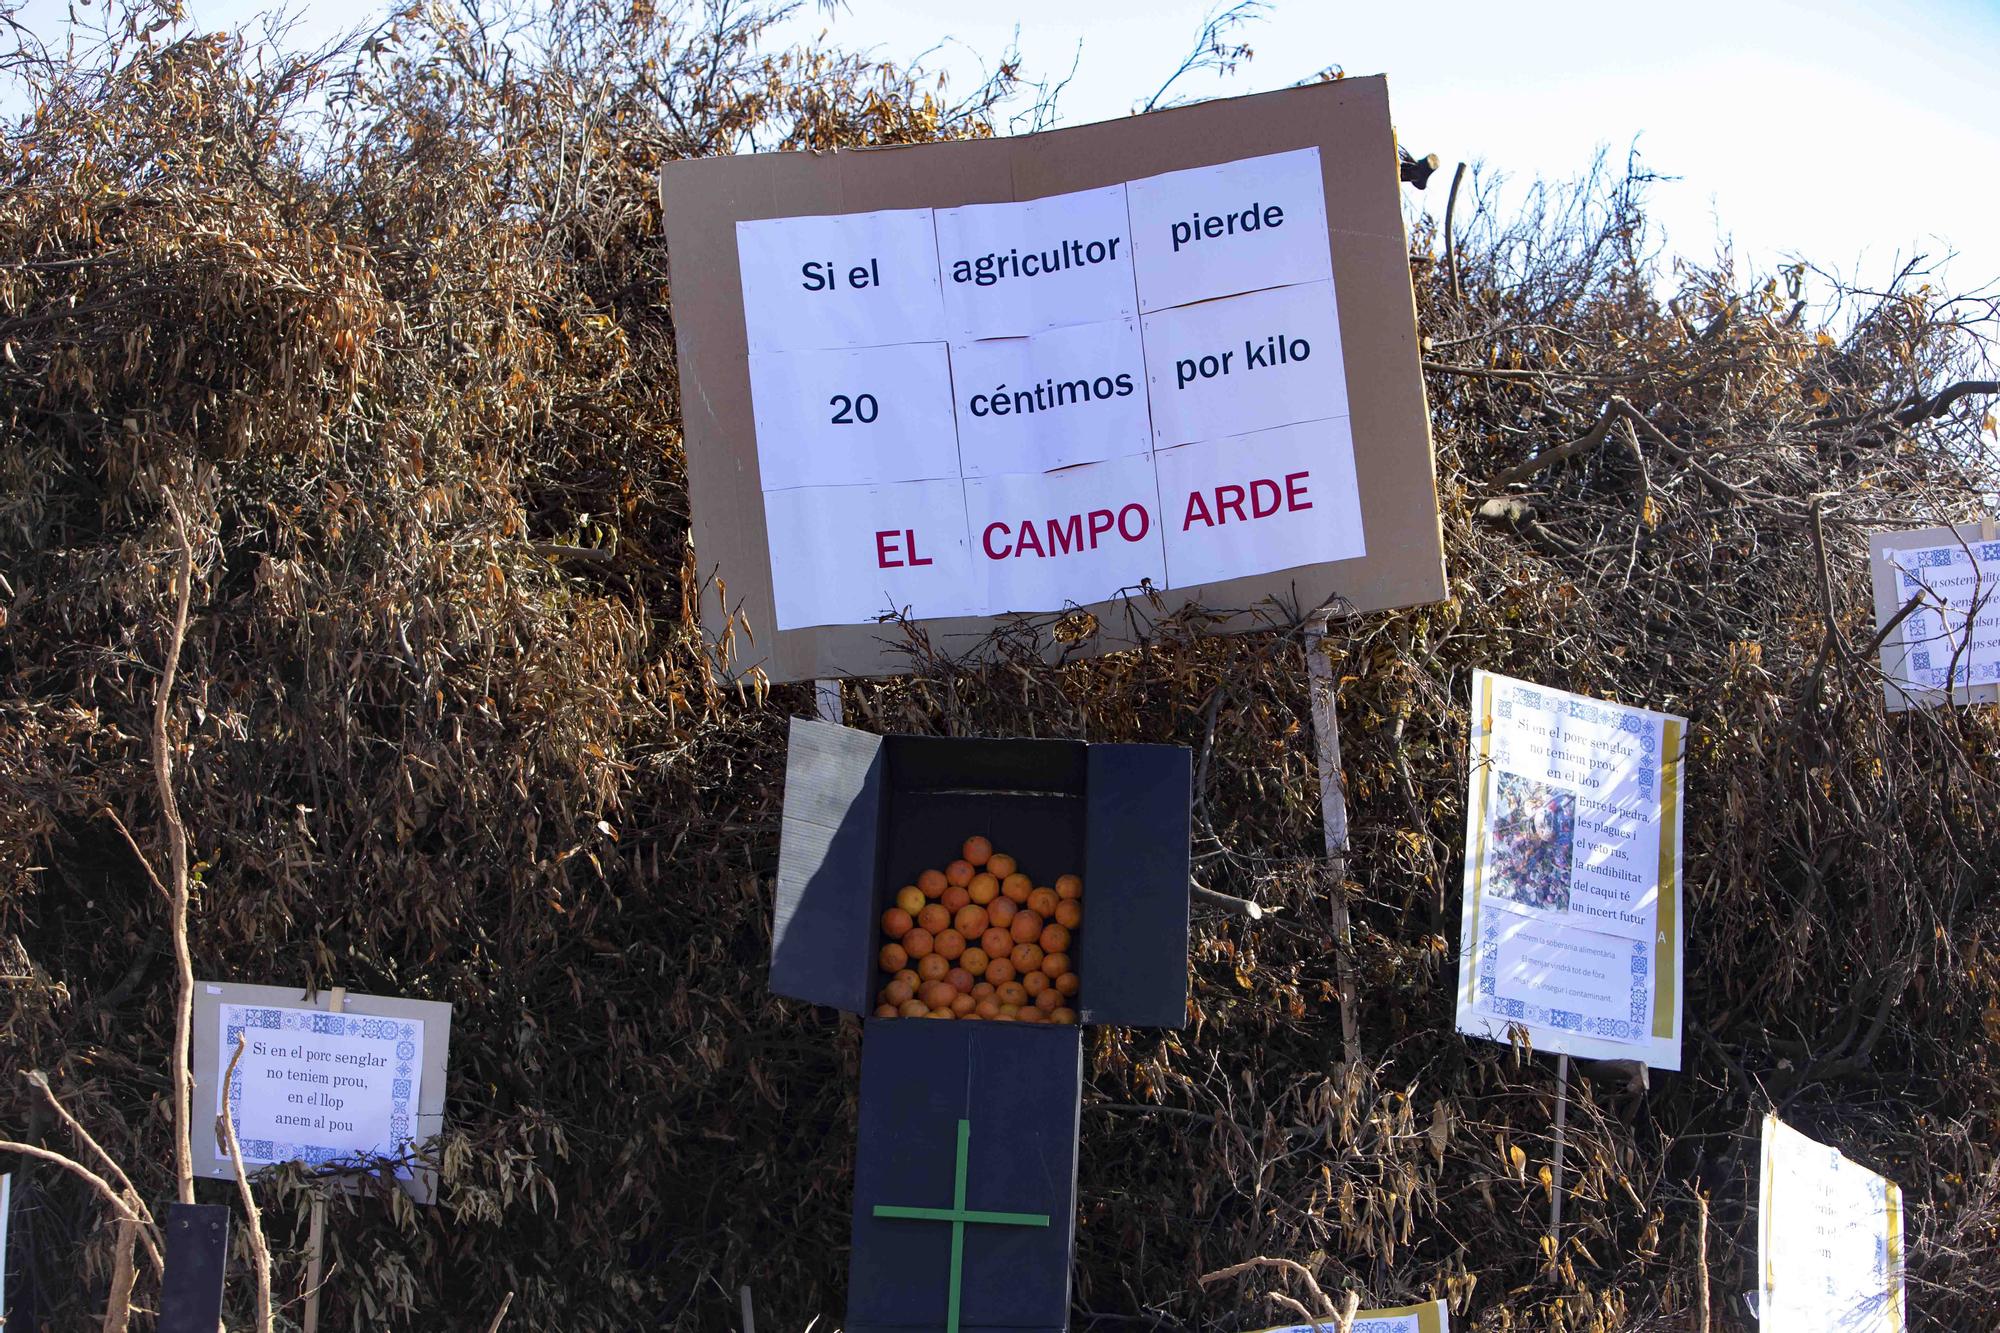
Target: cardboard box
(1012, 1091)
(1348, 121)
(865, 813)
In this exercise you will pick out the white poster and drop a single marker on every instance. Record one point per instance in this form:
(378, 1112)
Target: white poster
(1572, 920)
(1244, 364)
(1018, 268)
(850, 280)
(1238, 227)
(1255, 503)
(850, 555)
(1953, 639)
(1084, 534)
(1074, 395)
(1429, 1317)
(1829, 1240)
(850, 416)
(320, 1088)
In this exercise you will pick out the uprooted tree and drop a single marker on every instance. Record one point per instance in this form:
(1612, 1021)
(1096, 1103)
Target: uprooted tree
(391, 325)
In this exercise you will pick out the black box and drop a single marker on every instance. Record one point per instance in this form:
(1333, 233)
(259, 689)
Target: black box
(1016, 1090)
(865, 813)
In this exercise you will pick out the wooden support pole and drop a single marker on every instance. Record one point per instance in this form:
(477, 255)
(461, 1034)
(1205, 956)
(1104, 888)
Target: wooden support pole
(336, 1000)
(1333, 814)
(1556, 1170)
(749, 1313)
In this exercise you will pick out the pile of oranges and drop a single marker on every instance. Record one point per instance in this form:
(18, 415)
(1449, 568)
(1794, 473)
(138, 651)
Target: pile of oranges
(979, 940)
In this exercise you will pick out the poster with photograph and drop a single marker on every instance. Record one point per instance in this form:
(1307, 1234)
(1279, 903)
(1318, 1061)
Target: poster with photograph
(1829, 1240)
(1572, 919)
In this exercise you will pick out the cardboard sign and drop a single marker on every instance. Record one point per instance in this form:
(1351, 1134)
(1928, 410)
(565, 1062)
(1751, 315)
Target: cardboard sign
(1948, 649)
(1430, 1317)
(1254, 234)
(332, 1090)
(1572, 915)
(1829, 1240)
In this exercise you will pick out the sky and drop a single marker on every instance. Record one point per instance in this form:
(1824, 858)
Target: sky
(1852, 135)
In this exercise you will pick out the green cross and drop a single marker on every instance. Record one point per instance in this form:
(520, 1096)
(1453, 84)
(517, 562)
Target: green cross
(958, 1215)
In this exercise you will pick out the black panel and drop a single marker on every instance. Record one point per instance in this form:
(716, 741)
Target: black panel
(1019, 1087)
(1134, 974)
(197, 1252)
(823, 931)
(941, 762)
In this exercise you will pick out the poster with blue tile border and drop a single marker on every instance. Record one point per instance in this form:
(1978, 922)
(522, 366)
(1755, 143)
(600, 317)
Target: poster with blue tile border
(1428, 1317)
(1937, 611)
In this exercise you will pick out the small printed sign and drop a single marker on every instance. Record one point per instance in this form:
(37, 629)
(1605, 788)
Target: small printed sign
(1013, 269)
(1430, 1317)
(1829, 1240)
(1948, 647)
(1572, 874)
(1244, 364)
(320, 1088)
(1231, 228)
(847, 280)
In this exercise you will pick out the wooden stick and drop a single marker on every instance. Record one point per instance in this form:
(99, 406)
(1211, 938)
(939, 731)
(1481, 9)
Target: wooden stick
(1556, 1172)
(336, 999)
(1701, 1263)
(500, 1313)
(1450, 241)
(177, 870)
(260, 1253)
(749, 1314)
(1333, 814)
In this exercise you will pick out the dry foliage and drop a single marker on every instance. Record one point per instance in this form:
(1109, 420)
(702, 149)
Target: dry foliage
(393, 325)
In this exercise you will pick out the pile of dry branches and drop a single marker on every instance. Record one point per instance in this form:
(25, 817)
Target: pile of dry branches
(392, 326)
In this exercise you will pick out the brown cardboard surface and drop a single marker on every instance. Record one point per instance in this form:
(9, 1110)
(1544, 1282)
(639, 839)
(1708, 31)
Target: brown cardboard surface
(1348, 121)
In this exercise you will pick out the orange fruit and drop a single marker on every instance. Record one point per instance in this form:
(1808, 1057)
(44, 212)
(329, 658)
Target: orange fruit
(898, 992)
(973, 960)
(1034, 982)
(1026, 958)
(931, 883)
(956, 897)
(939, 1013)
(913, 1009)
(896, 923)
(996, 942)
(1055, 964)
(976, 850)
(986, 1007)
(932, 967)
(960, 979)
(950, 943)
(958, 872)
(915, 945)
(1049, 1001)
(937, 994)
(893, 956)
(1000, 865)
(983, 889)
(1069, 914)
(982, 989)
(1000, 972)
(1012, 993)
(1004, 1017)
(962, 1005)
(1030, 1014)
(1069, 886)
(1025, 927)
(1063, 1014)
(1001, 911)
(1044, 902)
(1017, 888)
(934, 918)
(908, 976)
(885, 1011)
(970, 920)
(910, 901)
(1054, 937)
(1067, 983)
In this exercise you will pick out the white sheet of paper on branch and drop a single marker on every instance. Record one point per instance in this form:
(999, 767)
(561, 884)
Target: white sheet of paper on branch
(850, 416)
(1044, 540)
(1572, 915)
(1012, 269)
(320, 1088)
(1243, 364)
(1237, 227)
(850, 280)
(1829, 1240)
(1254, 503)
(1429, 1317)
(849, 555)
(1068, 396)
(1952, 640)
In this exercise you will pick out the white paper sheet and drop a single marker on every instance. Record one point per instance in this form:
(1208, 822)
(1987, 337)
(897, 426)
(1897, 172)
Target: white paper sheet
(1953, 638)
(1829, 1240)
(319, 1087)
(1255, 503)
(1429, 1317)
(1012, 269)
(1043, 541)
(854, 416)
(1073, 395)
(847, 555)
(849, 280)
(1238, 227)
(1244, 364)
(1550, 973)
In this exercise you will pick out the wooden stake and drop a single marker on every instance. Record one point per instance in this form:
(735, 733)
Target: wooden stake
(1333, 814)
(826, 700)
(749, 1315)
(1556, 1172)
(336, 1000)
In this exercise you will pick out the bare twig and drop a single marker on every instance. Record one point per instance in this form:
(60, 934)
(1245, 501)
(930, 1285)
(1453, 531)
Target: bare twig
(260, 1253)
(507, 1300)
(1450, 238)
(118, 1305)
